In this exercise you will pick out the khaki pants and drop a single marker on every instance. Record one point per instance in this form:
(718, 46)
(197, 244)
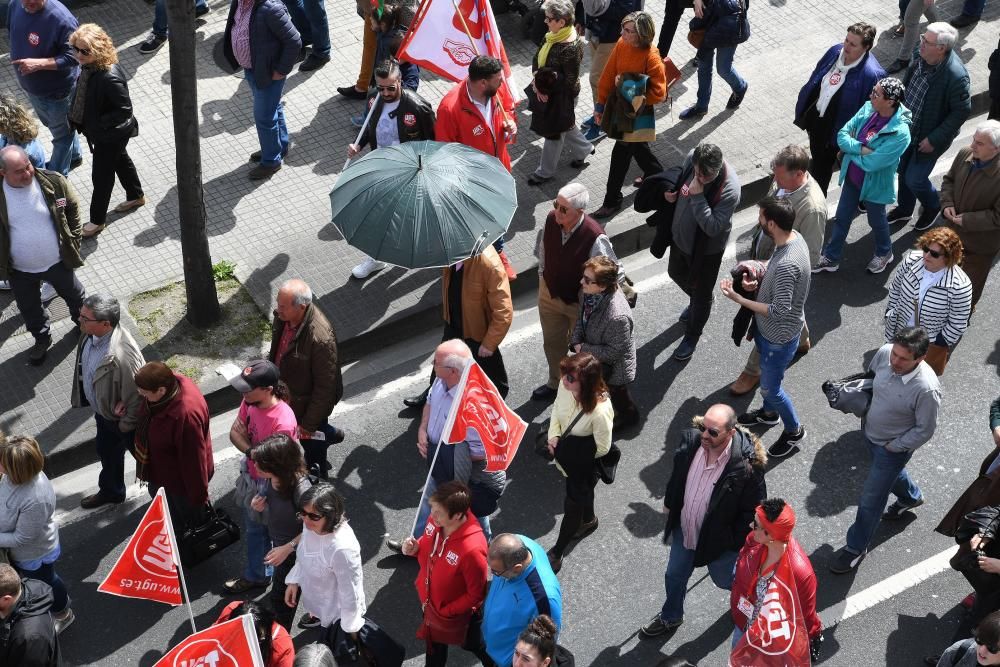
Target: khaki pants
(558, 319)
(598, 59)
(367, 59)
(753, 363)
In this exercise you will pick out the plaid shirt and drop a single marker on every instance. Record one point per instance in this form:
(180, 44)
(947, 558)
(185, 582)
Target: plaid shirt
(241, 34)
(917, 89)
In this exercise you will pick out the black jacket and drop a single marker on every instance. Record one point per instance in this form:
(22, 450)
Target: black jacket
(107, 111)
(734, 498)
(414, 119)
(28, 635)
(649, 197)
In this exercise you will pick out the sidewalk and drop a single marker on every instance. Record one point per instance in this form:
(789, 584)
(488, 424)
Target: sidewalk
(280, 228)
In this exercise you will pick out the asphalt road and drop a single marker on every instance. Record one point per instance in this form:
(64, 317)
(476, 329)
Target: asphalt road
(613, 581)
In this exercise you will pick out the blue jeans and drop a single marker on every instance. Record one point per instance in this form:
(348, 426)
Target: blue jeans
(309, 18)
(774, 359)
(269, 117)
(680, 565)
(111, 446)
(258, 544)
(915, 182)
(425, 513)
(54, 114)
(973, 8)
(160, 16)
(48, 574)
(724, 63)
(847, 208)
(887, 475)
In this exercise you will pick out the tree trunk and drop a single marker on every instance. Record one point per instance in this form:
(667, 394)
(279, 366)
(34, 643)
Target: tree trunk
(202, 297)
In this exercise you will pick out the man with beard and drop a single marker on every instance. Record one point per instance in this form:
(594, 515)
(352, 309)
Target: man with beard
(400, 115)
(778, 305)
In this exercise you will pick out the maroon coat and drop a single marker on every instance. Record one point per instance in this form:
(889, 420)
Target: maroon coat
(180, 447)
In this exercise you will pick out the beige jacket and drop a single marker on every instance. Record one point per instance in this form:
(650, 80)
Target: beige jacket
(114, 379)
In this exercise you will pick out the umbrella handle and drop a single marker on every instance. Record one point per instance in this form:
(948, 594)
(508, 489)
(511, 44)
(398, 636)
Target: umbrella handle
(364, 126)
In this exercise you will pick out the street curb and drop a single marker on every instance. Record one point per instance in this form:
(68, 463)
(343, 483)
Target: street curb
(221, 397)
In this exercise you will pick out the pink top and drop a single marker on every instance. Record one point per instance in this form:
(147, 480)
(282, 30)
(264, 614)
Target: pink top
(264, 422)
(241, 34)
(701, 480)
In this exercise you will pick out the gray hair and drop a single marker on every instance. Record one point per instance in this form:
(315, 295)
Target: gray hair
(576, 194)
(560, 9)
(991, 129)
(509, 549)
(946, 33)
(16, 150)
(314, 655)
(302, 295)
(104, 307)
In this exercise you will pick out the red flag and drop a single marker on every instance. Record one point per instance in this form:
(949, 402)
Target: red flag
(479, 406)
(777, 637)
(447, 34)
(229, 644)
(148, 567)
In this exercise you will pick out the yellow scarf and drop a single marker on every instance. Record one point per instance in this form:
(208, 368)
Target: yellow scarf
(553, 38)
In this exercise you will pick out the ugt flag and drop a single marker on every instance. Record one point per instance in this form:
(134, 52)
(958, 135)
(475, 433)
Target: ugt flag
(437, 40)
(229, 644)
(777, 637)
(148, 566)
(480, 406)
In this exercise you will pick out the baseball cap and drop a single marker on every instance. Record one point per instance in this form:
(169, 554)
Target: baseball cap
(258, 373)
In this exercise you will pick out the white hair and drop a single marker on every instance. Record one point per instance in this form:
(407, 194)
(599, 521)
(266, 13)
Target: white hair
(991, 129)
(301, 293)
(946, 33)
(576, 194)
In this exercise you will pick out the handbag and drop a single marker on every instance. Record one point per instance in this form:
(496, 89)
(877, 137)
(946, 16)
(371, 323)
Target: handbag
(937, 357)
(852, 394)
(200, 543)
(696, 37)
(374, 647)
(542, 439)
(606, 466)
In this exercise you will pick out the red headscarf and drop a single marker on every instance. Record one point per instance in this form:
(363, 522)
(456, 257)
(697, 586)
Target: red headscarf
(781, 528)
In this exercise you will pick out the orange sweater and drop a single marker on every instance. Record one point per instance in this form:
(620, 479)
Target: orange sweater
(625, 58)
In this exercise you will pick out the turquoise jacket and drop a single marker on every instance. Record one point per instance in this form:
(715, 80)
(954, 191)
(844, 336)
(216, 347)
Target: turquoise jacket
(879, 186)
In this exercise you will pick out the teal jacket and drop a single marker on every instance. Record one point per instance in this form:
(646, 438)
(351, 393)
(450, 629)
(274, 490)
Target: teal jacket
(879, 186)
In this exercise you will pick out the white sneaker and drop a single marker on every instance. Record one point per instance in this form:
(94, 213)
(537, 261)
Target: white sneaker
(48, 292)
(366, 268)
(4, 284)
(63, 620)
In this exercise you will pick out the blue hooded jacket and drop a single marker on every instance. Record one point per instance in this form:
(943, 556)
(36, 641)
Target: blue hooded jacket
(879, 186)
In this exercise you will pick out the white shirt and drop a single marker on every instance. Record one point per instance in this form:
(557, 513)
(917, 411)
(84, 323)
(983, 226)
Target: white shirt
(832, 81)
(486, 109)
(440, 399)
(328, 571)
(34, 244)
(387, 129)
(928, 280)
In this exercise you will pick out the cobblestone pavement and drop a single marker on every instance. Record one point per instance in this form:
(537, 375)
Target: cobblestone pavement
(280, 228)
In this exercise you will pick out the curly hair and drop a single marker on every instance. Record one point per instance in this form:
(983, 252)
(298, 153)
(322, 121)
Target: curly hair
(16, 122)
(947, 239)
(92, 37)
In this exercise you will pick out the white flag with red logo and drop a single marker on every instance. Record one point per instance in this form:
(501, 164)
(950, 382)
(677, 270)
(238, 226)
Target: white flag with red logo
(480, 406)
(437, 41)
(229, 644)
(148, 567)
(777, 637)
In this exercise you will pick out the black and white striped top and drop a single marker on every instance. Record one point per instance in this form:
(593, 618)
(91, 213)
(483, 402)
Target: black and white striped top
(945, 308)
(784, 288)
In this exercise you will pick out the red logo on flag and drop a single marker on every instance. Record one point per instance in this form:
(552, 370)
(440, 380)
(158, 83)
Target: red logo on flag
(777, 637)
(229, 644)
(480, 407)
(465, 9)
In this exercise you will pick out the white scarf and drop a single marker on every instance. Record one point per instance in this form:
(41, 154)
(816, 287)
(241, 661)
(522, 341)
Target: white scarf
(832, 81)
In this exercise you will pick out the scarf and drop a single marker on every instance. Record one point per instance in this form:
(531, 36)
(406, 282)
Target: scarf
(80, 99)
(141, 453)
(590, 302)
(553, 38)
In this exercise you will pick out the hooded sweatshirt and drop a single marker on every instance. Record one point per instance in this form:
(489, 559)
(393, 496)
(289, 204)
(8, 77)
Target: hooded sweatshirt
(28, 635)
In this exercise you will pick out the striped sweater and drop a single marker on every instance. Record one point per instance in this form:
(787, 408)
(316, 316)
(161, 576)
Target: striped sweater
(784, 288)
(944, 311)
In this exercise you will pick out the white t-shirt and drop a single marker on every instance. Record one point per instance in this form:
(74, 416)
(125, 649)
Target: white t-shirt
(927, 280)
(387, 128)
(832, 81)
(34, 244)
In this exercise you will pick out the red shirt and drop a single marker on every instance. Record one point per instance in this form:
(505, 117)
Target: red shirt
(459, 120)
(287, 335)
(282, 649)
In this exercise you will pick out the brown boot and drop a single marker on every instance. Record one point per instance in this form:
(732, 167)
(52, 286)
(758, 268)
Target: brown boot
(744, 384)
(803, 347)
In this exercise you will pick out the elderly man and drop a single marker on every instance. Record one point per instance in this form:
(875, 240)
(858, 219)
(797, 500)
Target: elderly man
(40, 235)
(523, 587)
(400, 115)
(478, 309)
(464, 461)
(703, 217)
(937, 94)
(970, 201)
(715, 485)
(46, 71)
(568, 239)
(107, 359)
(906, 398)
(304, 348)
(793, 182)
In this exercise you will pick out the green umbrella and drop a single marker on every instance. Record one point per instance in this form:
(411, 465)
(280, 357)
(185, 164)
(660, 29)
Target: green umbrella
(423, 204)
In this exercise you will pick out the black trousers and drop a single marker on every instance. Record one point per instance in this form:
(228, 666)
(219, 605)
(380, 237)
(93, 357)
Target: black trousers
(29, 301)
(621, 158)
(697, 279)
(110, 160)
(823, 162)
(437, 654)
(493, 365)
(578, 508)
(621, 401)
(673, 10)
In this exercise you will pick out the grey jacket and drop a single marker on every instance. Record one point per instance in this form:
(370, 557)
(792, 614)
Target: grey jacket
(26, 524)
(694, 212)
(114, 379)
(960, 654)
(608, 336)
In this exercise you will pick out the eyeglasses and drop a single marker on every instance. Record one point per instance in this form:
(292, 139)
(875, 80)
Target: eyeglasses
(549, 19)
(83, 318)
(587, 280)
(309, 515)
(387, 89)
(570, 378)
(82, 52)
(714, 432)
(559, 207)
(630, 31)
(992, 648)
(924, 40)
(933, 253)
(876, 94)
(500, 574)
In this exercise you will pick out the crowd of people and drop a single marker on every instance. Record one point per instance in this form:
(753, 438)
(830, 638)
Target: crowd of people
(498, 596)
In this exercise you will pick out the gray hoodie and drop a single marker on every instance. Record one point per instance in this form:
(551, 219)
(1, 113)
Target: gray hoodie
(26, 524)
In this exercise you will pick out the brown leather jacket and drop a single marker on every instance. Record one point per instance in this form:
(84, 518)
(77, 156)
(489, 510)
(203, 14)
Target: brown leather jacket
(487, 309)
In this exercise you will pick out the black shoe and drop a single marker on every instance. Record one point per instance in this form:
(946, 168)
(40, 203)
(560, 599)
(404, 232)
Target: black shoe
(538, 180)
(786, 443)
(338, 436)
(898, 215)
(736, 99)
(201, 11)
(256, 155)
(585, 529)
(152, 44)
(926, 219)
(606, 211)
(418, 400)
(686, 349)
(692, 113)
(897, 65)
(394, 545)
(580, 164)
(262, 172)
(313, 62)
(964, 20)
(36, 355)
(758, 416)
(96, 500)
(845, 561)
(897, 510)
(75, 162)
(352, 93)
(309, 621)
(554, 561)
(543, 393)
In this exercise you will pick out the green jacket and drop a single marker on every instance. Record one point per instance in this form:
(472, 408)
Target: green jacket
(947, 104)
(64, 208)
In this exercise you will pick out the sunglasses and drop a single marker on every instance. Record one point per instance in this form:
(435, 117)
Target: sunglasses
(992, 648)
(309, 515)
(714, 432)
(562, 209)
(933, 253)
(82, 52)
(386, 89)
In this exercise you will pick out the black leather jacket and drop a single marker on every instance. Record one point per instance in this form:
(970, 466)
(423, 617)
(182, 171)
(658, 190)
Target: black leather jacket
(107, 112)
(414, 119)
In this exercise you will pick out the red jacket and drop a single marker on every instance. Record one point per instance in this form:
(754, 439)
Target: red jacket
(745, 582)
(180, 446)
(457, 568)
(459, 120)
(282, 649)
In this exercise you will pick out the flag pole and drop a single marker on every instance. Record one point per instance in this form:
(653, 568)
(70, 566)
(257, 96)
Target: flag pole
(475, 49)
(176, 558)
(364, 126)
